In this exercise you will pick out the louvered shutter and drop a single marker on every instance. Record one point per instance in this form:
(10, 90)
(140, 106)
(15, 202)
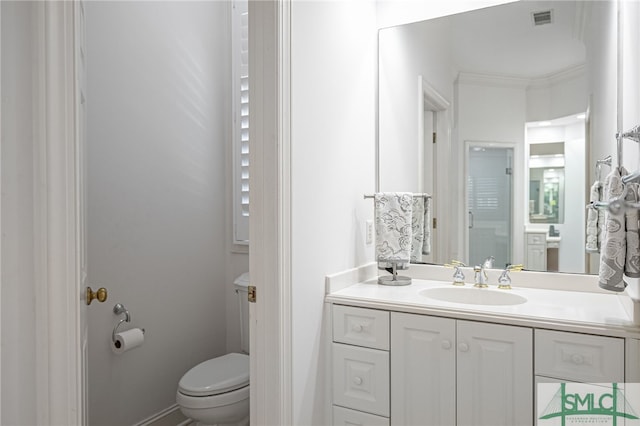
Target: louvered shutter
(240, 58)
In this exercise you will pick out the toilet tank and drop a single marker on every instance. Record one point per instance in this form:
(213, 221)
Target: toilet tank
(242, 288)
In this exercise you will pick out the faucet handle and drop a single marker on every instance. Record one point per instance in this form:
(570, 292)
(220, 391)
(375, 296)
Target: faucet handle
(504, 282)
(458, 275)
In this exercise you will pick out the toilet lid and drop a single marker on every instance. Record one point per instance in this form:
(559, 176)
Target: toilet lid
(217, 375)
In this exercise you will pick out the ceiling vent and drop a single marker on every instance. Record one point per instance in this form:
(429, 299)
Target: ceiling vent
(542, 18)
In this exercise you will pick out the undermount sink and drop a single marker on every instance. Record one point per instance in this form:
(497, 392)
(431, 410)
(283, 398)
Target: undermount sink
(473, 296)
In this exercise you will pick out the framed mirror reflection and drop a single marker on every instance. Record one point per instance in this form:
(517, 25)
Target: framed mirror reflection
(492, 80)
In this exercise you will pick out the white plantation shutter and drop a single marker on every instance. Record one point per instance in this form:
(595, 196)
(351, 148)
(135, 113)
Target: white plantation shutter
(240, 58)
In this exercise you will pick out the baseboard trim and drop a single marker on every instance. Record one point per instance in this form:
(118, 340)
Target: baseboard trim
(170, 416)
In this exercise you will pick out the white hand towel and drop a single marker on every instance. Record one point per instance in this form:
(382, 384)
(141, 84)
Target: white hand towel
(593, 227)
(393, 211)
(613, 250)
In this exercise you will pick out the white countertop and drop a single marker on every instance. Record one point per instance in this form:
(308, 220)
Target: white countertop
(586, 312)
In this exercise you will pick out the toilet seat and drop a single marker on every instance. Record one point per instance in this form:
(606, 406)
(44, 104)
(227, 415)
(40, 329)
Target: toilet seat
(238, 396)
(216, 376)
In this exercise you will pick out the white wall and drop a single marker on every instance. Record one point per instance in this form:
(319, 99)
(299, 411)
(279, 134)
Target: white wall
(333, 165)
(601, 45)
(405, 53)
(631, 100)
(158, 136)
(631, 83)
(557, 97)
(19, 346)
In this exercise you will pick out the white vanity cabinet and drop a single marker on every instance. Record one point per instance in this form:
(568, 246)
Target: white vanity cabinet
(446, 372)
(396, 368)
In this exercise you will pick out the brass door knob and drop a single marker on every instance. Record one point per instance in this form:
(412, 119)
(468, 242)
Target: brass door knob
(101, 295)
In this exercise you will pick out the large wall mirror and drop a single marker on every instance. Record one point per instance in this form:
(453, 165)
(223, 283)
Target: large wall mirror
(492, 111)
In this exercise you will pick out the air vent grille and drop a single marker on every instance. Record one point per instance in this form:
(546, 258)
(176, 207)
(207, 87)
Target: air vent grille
(543, 17)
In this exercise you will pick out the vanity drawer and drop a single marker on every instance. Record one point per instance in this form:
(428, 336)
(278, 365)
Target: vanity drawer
(361, 379)
(361, 326)
(533, 238)
(346, 417)
(579, 357)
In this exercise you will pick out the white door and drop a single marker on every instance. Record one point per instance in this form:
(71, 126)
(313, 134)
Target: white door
(495, 374)
(423, 369)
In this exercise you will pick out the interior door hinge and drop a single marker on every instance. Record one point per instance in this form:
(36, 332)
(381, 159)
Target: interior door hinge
(435, 223)
(435, 137)
(251, 296)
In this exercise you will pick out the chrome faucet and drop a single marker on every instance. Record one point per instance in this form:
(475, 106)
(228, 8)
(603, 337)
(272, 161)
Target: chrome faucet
(481, 273)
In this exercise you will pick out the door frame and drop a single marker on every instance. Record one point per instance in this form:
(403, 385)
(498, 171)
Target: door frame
(270, 212)
(429, 99)
(60, 390)
(61, 387)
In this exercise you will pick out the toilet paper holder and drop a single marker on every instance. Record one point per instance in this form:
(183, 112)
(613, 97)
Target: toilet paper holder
(119, 309)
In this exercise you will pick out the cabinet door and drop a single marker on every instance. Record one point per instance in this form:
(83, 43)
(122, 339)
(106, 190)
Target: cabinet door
(536, 257)
(495, 374)
(361, 379)
(422, 370)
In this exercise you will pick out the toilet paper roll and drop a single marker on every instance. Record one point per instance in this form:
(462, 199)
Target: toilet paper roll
(127, 340)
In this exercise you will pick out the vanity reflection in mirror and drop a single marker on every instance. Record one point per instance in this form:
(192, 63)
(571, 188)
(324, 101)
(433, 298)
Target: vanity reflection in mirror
(546, 183)
(491, 111)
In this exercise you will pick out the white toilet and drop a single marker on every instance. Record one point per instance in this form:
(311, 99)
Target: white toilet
(216, 392)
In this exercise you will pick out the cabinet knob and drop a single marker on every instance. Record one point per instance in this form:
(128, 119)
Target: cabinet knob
(357, 380)
(357, 328)
(446, 344)
(463, 347)
(577, 359)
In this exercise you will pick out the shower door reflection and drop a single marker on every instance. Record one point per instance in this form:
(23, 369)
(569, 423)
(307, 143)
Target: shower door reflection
(489, 193)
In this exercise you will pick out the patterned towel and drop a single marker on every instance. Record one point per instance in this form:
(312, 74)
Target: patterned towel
(594, 227)
(620, 230)
(421, 230)
(393, 214)
(632, 258)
